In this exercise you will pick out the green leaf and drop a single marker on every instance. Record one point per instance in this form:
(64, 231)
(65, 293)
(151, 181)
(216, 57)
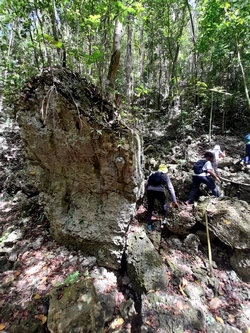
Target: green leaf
(57, 44)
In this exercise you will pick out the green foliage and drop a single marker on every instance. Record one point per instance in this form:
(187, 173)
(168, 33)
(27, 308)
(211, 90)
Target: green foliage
(96, 56)
(120, 143)
(51, 41)
(72, 278)
(161, 56)
(141, 90)
(99, 132)
(221, 25)
(5, 236)
(86, 273)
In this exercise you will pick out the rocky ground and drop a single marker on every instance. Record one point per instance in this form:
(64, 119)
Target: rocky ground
(32, 263)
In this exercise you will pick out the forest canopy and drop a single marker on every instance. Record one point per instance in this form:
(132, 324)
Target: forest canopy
(155, 54)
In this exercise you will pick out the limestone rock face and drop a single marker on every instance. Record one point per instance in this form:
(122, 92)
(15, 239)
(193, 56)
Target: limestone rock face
(240, 262)
(222, 328)
(180, 222)
(76, 306)
(144, 264)
(228, 219)
(86, 165)
(170, 314)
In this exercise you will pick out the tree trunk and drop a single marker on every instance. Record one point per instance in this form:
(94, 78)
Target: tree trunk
(243, 75)
(129, 64)
(194, 52)
(57, 34)
(5, 71)
(115, 59)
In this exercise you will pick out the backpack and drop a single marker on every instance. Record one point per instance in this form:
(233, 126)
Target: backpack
(155, 179)
(198, 166)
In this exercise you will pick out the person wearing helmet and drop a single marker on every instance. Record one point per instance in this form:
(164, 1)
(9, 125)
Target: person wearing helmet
(155, 186)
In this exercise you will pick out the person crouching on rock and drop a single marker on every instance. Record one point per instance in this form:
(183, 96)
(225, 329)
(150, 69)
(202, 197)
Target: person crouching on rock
(155, 186)
(203, 173)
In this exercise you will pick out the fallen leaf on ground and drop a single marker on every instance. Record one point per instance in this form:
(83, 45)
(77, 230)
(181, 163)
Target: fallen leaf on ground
(215, 303)
(231, 318)
(42, 318)
(116, 323)
(149, 323)
(184, 282)
(2, 326)
(179, 305)
(220, 320)
(182, 291)
(151, 291)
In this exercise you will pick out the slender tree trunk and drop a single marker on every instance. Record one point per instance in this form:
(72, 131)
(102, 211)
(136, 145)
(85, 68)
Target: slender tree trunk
(129, 63)
(159, 99)
(5, 73)
(57, 34)
(243, 75)
(211, 117)
(103, 67)
(35, 49)
(175, 49)
(194, 52)
(115, 58)
(46, 55)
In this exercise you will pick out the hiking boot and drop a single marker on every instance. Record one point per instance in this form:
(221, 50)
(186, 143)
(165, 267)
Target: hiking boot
(164, 221)
(149, 227)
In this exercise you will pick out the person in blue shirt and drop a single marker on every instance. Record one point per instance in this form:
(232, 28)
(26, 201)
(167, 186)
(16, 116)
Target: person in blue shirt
(246, 159)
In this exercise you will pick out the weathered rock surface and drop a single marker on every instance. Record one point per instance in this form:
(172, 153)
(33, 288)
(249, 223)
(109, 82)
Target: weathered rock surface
(228, 219)
(240, 262)
(65, 303)
(221, 328)
(27, 280)
(180, 222)
(87, 305)
(86, 166)
(144, 264)
(165, 313)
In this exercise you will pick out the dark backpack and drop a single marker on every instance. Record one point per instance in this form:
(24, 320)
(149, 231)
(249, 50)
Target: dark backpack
(155, 179)
(198, 166)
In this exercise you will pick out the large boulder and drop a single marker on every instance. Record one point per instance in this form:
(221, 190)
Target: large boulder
(240, 261)
(86, 165)
(144, 264)
(76, 307)
(167, 313)
(181, 221)
(228, 219)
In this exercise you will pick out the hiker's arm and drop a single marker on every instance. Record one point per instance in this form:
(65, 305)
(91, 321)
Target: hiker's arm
(222, 154)
(170, 188)
(213, 174)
